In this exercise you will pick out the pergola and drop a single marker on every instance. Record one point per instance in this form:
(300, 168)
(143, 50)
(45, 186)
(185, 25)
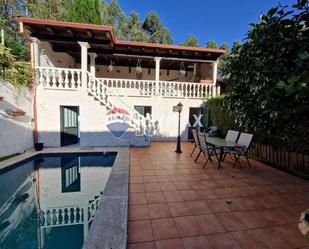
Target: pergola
(100, 43)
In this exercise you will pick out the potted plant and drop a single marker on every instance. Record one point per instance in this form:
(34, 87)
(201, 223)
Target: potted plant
(15, 113)
(38, 146)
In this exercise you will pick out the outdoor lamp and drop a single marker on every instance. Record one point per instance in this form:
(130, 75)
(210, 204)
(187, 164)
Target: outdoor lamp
(110, 67)
(178, 108)
(182, 70)
(138, 67)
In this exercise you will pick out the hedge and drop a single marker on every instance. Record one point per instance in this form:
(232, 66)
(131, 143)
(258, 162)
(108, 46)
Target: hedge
(219, 116)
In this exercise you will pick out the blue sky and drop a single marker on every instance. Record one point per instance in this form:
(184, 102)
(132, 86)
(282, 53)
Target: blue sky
(219, 20)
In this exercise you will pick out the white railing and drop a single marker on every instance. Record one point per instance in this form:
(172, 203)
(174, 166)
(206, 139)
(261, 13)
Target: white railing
(92, 207)
(186, 90)
(62, 216)
(111, 99)
(132, 87)
(71, 79)
(129, 87)
(59, 78)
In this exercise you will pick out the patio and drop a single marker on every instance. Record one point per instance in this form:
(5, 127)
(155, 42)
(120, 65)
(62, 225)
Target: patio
(174, 203)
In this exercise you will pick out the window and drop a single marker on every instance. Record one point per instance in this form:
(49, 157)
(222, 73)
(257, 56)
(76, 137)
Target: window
(70, 174)
(143, 110)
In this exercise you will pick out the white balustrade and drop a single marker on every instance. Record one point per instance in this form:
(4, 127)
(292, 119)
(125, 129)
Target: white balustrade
(68, 78)
(132, 87)
(92, 207)
(59, 78)
(61, 216)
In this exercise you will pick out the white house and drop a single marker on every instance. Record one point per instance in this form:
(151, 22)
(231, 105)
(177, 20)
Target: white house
(96, 90)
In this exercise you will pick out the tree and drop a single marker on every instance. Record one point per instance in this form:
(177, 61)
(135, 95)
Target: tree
(156, 32)
(268, 76)
(237, 43)
(115, 17)
(135, 31)
(191, 41)
(12, 37)
(152, 23)
(211, 44)
(162, 36)
(225, 46)
(84, 11)
(51, 9)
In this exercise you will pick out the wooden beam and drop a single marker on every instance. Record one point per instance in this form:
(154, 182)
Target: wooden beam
(50, 30)
(66, 47)
(69, 40)
(108, 35)
(89, 33)
(70, 32)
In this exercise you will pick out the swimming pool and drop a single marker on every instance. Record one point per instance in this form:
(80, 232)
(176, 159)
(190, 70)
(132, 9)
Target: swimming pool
(48, 201)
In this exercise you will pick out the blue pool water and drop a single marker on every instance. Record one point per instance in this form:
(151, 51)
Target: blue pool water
(48, 201)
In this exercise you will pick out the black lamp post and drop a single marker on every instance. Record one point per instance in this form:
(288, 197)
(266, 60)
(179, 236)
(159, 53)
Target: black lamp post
(178, 108)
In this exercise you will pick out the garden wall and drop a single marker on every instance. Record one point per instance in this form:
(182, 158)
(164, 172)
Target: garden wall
(15, 128)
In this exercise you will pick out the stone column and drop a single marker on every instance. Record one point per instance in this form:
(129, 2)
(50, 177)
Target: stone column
(36, 51)
(157, 77)
(84, 62)
(92, 56)
(214, 77)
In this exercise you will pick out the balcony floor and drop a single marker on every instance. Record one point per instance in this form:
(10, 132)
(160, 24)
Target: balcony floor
(175, 204)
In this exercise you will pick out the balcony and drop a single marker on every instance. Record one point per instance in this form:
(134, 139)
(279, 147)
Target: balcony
(71, 79)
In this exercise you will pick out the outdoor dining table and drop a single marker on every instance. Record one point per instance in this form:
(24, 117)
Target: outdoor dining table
(222, 144)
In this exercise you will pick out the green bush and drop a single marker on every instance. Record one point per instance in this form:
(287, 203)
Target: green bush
(19, 51)
(17, 73)
(223, 118)
(6, 60)
(220, 116)
(20, 74)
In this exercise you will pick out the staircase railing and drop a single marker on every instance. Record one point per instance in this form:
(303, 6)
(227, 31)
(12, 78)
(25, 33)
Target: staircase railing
(111, 100)
(92, 207)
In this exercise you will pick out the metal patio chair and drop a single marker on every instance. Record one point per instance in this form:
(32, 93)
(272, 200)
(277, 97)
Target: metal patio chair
(207, 151)
(245, 140)
(196, 141)
(230, 136)
(211, 131)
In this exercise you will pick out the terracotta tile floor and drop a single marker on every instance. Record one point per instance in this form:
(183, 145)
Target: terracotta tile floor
(174, 203)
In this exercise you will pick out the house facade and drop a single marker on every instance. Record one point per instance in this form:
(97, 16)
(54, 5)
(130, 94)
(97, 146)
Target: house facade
(95, 90)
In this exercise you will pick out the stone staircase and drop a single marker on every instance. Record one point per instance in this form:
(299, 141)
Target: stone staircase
(141, 126)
